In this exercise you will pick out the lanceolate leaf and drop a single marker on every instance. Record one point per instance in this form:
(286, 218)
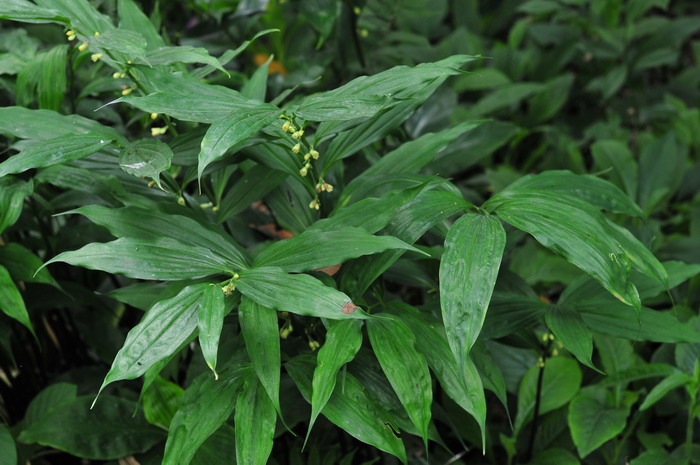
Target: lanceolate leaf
(405, 368)
(210, 320)
(570, 329)
(161, 331)
(343, 340)
(315, 249)
(574, 230)
(320, 107)
(255, 424)
(260, 331)
(351, 408)
(206, 406)
(468, 270)
(22, 264)
(12, 194)
(182, 54)
(164, 259)
(296, 293)
(11, 302)
(146, 158)
(140, 223)
(232, 129)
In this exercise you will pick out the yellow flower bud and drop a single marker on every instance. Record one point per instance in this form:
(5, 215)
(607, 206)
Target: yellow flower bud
(97, 34)
(296, 148)
(298, 134)
(127, 91)
(117, 75)
(181, 201)
(70, 32)
(286, 126)
(83, 47)
(154, 115)
(314, 205)
(313, 345)
(319, 187)
(314, 154)
(235, 276)
(307, 156)
(159, 131)
(204, 206)
(328, 187)
(96, 56)
(304, 171)
(71, 35)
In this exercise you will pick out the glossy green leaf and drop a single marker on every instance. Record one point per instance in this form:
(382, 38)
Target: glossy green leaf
(11, 302)
(405, 368)
(164, 259)
(210, 320)
(139, 223)
(47, 400)
(351, 408)
(260, 331)
(161, 401)
(314, 249)
(343, 340)
(12, 194)
(560, 383)
(182, 54)
(573, 229)
(592, 189)
(327, 107)
(236, 127)
(468, 270)
(255, 184)
(22, 264)
(231, 54)
(255, 423)
(668, 384)
(59, 150)
(550, 100)
(146, 158)
(123, 44)
(256, 87)
(133, 19)
(207, 404)
(504, 97)
(109, 431)
(193, 107)
(161, 331)
(555, 457)
(28, 12)
(570, 329)
(83, 14)
(592, 422)
(51, 87)
(296, 293)
(8, 451)
(615, 155)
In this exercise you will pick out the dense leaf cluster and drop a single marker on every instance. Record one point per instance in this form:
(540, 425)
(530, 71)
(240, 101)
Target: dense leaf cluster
(331, 231)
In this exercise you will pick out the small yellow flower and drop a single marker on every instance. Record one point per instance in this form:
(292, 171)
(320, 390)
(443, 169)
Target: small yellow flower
(314, 205)
(159, 131)
(298, 134)
(313, 345)
(307, 157)
(154, 115)
(286, 126)
(117, 75)
(96, 56)
(204, 206)
(304, 171)
(286, 331)
(314, 154)
(127, 91)
(327, 187)
(71, 35)
(181, 201)
(97, 34)
(83, 47)
(229, 288)
(296, 148)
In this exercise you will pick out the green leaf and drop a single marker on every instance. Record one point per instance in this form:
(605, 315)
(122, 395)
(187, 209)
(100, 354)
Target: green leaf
(609, 83)
(192, 107)
(255, 420)
(48, 400)
(83, 15)
(570, 329)
(146, 158)
(506, 96)
(592, 189)
(182, 54)
(560, 383)
(164, 259)
(210, 321)
(12, 194)
(668, 384)
(255, 184)
(236, 127)
(133, 19)
(207, 404)
(468, 270)
(123, 44)
(343, 340)
(255, 88)
(592, 422)
(615, 155)
(405, 368)
(109, 431)
(230, 54)
(555, 457)
(314, 249)
(328, 107)
(553, 96)
(296, 293)
(573, 229)
(159, 334)
(351, 408)
(8, 452)
(161, 401)
(51, 152)
(11, 302)
(28, 12)
(260, 331)
(51, 87)
(139, 223)
(22, 263)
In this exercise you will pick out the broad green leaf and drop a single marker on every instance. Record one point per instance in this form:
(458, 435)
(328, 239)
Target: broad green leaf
(314, 249)
(678, 273)
(255, 420)
(506, 96)
(468, 270)
(260, 331)
(573, 229)
(22, 264)
(163, 259)
(158, 335)
(83, 15)
(553, 96)
(560, 383)
(210, 320)
(230, 54)
(570, 329)
(138, 223)
(255, 184)
(123, 44)
(47, 400)
(109, 431)
(182, 54)
(592, 189)
(255, 88)
(8, 452)
(192, 107)
(668, 384)
(638, 372)
(609, 83)
(328, 107)
(27, 12)
(133, 19)
(207, 404)
(146, 158)
(343, 340)
(51, 87)
(236, 127)
(12, 194)
(351, 408)
(555, 457)
(464, 387)
(592, 422)
(161, 401)
(296, 293)
(641, 258)
(51, 152)
(220, 447)
(616, 155)
(11, 302)
(405, 368)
